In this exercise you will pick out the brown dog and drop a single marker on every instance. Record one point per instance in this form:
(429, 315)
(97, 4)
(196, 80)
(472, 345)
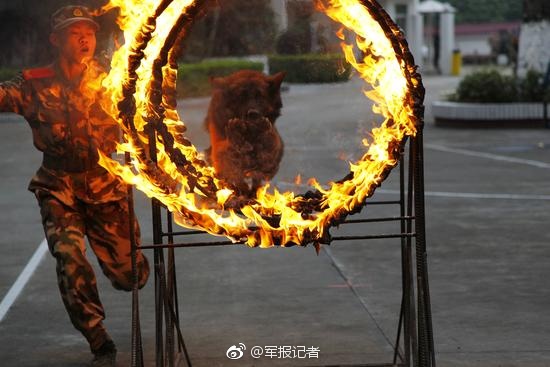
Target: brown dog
(246, 148)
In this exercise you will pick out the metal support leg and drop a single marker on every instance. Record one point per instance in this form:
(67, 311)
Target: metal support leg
(159, 309)
(402, 325)
(173, 291)
(409, 261)
(137, 350)
(425, 333)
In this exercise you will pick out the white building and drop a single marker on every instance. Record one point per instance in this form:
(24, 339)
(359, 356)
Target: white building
(405, 13)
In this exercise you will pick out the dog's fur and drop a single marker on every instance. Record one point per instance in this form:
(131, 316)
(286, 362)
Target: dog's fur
(246, 148)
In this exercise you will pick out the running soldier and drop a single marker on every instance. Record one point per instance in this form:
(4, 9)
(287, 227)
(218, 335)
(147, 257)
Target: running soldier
(77, 197)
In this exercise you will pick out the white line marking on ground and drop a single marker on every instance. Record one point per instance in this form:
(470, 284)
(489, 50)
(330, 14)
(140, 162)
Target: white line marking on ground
(474, 195)
(22, 280)
(442, 194)
(495, 157)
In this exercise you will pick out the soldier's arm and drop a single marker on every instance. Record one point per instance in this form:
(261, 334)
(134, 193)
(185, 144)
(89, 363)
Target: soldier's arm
(14, 95)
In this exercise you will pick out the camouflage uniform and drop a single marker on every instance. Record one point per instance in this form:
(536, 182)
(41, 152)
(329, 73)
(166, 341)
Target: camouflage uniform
(77, 197)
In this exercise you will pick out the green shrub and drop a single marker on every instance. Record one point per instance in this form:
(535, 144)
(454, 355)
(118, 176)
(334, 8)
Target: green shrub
(487, 86)
(194, 79)
(530, 87)
(311, 68)
(7, 73)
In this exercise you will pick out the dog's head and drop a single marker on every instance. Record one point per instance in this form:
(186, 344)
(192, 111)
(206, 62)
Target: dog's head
(249, 96)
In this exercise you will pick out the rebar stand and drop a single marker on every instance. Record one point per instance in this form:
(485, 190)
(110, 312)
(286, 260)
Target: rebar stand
(414, 345)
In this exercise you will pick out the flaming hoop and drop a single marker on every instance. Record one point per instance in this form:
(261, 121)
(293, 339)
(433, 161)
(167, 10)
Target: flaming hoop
(167, 167)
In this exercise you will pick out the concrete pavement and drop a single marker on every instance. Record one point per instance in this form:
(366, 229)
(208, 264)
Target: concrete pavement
(487, 227)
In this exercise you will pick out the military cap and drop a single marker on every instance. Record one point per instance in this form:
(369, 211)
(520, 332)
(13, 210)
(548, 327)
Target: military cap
(71, 14)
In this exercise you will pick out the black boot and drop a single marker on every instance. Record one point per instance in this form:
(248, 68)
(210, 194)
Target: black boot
(105, 356)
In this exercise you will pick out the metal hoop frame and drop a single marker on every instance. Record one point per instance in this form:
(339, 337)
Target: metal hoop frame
(414, 341)
(414, 344)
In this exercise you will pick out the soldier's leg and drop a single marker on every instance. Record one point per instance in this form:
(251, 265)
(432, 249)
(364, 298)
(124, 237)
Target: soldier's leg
(65, 228)
(108, 230)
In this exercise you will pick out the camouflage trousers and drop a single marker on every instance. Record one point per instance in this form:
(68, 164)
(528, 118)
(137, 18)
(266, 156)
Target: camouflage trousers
(107, 228)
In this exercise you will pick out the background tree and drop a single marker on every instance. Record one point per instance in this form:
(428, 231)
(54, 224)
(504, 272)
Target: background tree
(297, 38)
(233, 28)
(534, 41)
(476, 11)
(25, 30)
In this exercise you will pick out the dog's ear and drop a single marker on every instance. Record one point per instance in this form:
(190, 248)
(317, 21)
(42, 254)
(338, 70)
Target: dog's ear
(276, 80)
(218, 82)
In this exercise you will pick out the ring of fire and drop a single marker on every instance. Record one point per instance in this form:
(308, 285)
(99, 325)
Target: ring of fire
(141, 86)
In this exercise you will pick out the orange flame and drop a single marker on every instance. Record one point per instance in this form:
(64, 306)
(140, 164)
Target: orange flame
(380, 68)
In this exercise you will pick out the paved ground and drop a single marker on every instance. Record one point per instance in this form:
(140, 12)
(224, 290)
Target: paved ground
(488, 200)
